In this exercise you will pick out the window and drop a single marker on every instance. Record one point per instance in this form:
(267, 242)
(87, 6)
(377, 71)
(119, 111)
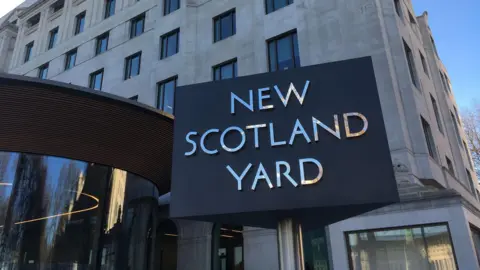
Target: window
(134, 98)
(470, 182)
(52, 37)
(170, 6)
(416, 247)
(412, 19)
(70, 59)
(427, 132)
(411, 64)
(96, 80)
(467, 153)
(283, 52)
(437, 114)
(224, 25)
(434, 46)
(79, 23)
(457, 132)
(132, 65)
(57, 6)
(109, 8)
(398, 7)
(102, 43)
(227, 70)
(272, 5)
(28, 52)
(33, 20)
(457, 116)
(442, 78)
(43, 71)
(450, 166)
(424, 63)
(227, 247)
(137, 25)
(447, 82)
(316, 249)
(170, 43)
(165, 95)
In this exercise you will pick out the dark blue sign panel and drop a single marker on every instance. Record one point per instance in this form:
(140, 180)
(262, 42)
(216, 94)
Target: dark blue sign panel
(306, 143)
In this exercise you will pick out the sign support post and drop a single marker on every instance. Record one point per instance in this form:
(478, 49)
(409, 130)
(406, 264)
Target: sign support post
(290, 245)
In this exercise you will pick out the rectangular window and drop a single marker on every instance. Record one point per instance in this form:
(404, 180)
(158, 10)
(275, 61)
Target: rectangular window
(412, 19)
(413, 247)
(227, 70)
(447, 82)
(424, 63)
(283, 52)
(450, 166)
(434, 46)
(28, 52)
(137, 25)
(102, 43)
(398, 7)
(411, 64)
(457, 116)
(109, 8)
(467, 153)
(455, 126)
(437, 114)
(52, 37)
(272, 5)
(70, 59)
(224, 25)
(43, 71)
(170, 6)
(79, 23)
(442, 78)
(57, 6)
(96, 80)
(470, 182)
(170, 42)
(33, 20)
(427, 132)
(165, 95)
(132, 65)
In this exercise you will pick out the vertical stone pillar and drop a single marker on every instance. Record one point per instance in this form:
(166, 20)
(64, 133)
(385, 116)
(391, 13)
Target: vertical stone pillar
(194, 245)
(260, 249)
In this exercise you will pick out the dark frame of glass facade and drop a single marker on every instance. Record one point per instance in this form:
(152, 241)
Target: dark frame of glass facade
(101, 44)
(43, 71)
(218, 70)
(137, 25)
(28, 52)
(109, 8)
(130, 69)
(166, 43)
(92, 81)
(273, 48)
(52, 37)
(170, 6)
(80, 23)
(70, 59)
(162, 96)
(222, 31)
(273, 5)
(226, 241)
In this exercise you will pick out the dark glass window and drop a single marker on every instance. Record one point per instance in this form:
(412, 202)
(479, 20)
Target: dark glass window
(102, 43)
(170, 6)
(134, 98)
(137, 25)
(166, 93)
(57, 5)
(411, 64)
(424, 64)
(227, 247)
(457, 117)
(470, 182)
(415, 247)
(434, 46)
(33, 20)
(412, 19)
(109, 8)
(450, 166)
(427, 132)
(227, 70)
(442, 78)
(28, 52)
(132, 65)
(272, 5)
(79, 23)
(96, 80)
(43, 71)
(70, 59)
(224, 25)
(52, 37)
(455, 126)
(398, 7)
(170, 43)
(315, 249)
(283, 52)
(437, 114)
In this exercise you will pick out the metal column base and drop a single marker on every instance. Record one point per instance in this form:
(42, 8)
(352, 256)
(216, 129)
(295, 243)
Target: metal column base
(290, 246)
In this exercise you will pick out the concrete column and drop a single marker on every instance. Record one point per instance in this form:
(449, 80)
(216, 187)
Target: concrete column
(260, 249)
(194, 245)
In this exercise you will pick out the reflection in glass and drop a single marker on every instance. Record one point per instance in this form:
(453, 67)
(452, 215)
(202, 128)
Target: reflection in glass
(227, 247)
(476, 241)
(427, 247)
(315, 250)
(57, 213)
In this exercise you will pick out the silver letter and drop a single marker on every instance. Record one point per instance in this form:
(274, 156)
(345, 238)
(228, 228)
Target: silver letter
(298, 129)
(202, 141)
(234, 97)
(255, 132)
(286, 173)
(294, 90)
(272, 137)
(239, 178)
(222, 139)
(194, 148)
(302, 171)
(261, 97)
(335, 133)
(261, 174)
(347, 127)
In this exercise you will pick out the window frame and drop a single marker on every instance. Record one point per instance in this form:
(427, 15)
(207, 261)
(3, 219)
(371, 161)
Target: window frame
(424, 63)
(436, 112)
(133, 25)
(128, 67)
(456, 127)
(108, 8)
(160, 105)
(450, 166)
(411, 65)
(218, 18)
(233, 62)
(67, 59)
(166, 36)
(272, 4)
(168, 11)
(105, 36)
(92, 76)
(28, 51)
(78, 18)
(276, 39)
(52, 38)
(57, 6)
(41, 69)
(398, 8)
(429, 139)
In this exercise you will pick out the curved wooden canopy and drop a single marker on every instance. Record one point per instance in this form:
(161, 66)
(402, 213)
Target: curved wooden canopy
(58, 119)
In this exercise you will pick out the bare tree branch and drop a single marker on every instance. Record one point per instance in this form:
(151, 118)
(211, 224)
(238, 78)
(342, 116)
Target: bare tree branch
(471, 126)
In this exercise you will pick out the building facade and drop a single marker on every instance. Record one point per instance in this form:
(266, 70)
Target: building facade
(144, 49)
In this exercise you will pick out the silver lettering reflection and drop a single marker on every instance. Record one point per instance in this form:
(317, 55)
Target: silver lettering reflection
(295, 92)
(335, 133)
(297, 130)
(248, 105)
(204, 137)
(272, 137)
(237, 177)
(194, 145)
(255, 132)
(302, 171)
(349, 134)
(235, 149)
(261, 175)
(261, 97)
(286, 173)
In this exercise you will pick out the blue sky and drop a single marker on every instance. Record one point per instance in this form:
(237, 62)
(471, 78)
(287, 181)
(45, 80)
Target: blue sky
(456, 30)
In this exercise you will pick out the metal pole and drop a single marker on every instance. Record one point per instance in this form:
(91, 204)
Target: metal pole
(290, 245)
